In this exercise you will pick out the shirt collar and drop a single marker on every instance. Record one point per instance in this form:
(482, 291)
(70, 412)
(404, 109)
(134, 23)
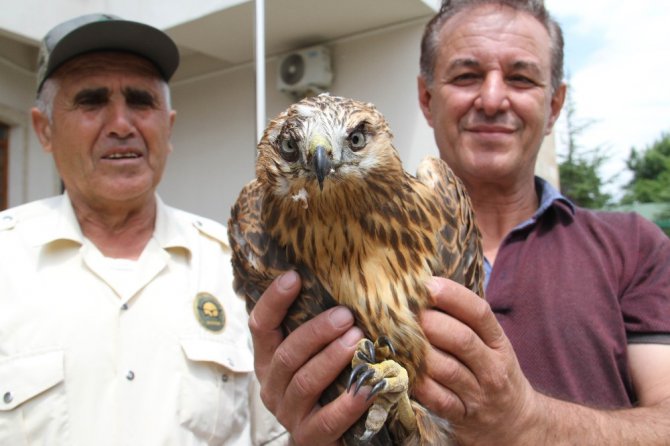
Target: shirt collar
(56, 221)
(168, 232)
(59, 222)
(549, 196)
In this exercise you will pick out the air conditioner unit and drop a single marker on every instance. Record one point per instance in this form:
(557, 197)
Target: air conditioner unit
(305, 72)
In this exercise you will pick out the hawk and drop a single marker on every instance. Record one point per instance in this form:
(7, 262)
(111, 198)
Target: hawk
(332, 201)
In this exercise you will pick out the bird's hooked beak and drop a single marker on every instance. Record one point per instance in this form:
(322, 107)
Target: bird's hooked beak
(321, 163)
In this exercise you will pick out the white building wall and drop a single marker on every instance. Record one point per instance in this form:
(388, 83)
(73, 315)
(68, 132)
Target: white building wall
(42, 15)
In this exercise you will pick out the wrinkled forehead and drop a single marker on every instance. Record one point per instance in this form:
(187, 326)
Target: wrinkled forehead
(495, 29)
(106, 62)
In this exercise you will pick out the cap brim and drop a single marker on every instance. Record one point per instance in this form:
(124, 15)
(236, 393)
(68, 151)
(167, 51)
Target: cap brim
(117, 35)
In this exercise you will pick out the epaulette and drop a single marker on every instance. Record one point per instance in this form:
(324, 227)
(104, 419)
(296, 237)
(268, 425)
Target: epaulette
(212, 229)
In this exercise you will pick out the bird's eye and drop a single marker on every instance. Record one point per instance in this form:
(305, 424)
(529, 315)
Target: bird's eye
(357, 140)
(289, 149)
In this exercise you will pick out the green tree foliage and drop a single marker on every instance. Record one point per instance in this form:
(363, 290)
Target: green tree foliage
(651, 173)
(579, 168)
(651, 178)
(581, 183)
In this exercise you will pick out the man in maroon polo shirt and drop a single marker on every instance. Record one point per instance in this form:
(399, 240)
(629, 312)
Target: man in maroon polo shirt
(572, 345)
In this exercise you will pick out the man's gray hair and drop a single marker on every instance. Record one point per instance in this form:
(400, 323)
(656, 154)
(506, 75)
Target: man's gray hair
(46, 96)
(431, 36)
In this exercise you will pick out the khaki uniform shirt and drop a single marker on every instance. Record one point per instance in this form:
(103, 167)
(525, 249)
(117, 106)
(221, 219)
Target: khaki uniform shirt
(99, 351)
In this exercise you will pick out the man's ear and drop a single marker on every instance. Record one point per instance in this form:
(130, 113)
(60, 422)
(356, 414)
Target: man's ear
(424, 99)
(173, 116)
(42, 127)
(557, 100)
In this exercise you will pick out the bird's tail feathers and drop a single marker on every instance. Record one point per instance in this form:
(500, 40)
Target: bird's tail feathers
(431, 429)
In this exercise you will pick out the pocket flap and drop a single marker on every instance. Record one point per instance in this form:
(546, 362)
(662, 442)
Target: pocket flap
(235, 358)
(24, 377)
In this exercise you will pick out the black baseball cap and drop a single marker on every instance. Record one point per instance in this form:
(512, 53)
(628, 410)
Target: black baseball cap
(105, 32)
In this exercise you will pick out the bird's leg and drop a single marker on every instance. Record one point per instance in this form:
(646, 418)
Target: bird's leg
(389, 380)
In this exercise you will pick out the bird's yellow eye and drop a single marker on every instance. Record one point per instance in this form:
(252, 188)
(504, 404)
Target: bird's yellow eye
(289, 149)
(357, 140)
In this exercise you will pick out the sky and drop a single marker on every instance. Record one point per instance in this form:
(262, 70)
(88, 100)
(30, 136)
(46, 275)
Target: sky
(617, 57)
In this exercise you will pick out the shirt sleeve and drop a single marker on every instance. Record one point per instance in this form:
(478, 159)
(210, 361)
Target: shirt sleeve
(652, 338)
(645, 297)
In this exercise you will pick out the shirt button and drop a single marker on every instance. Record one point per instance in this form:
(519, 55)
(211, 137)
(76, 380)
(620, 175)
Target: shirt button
(130, 375)
(8, 397)
(224, 378)
(124, 306)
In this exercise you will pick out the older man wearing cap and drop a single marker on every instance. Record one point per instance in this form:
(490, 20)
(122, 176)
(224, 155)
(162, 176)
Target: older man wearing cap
(118, 323)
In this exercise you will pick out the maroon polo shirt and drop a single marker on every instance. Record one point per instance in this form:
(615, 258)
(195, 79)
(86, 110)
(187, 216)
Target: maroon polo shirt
(572, 289)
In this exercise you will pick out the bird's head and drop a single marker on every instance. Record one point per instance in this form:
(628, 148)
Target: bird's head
(323, 141)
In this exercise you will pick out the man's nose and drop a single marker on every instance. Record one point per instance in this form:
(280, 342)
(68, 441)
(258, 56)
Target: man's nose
(120, 122)
(493, 96)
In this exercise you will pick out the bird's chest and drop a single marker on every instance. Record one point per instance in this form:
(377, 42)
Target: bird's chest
(359, 270)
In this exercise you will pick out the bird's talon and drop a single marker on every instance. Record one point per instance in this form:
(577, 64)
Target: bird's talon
(363, 357)
(370, 350)
(354, 373)
(381, 385)
(385, 341)
(361, 379)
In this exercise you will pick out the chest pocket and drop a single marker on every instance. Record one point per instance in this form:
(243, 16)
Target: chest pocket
(213, 395)
(32, 399)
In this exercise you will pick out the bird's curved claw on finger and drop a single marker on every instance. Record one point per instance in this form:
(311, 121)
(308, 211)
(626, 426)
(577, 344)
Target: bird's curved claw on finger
(384, 341)
(354, 373)
(361, 379)
(381, 385)
(360, 374)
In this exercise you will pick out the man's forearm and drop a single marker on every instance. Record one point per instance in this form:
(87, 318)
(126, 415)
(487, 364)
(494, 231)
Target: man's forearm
(555, 422)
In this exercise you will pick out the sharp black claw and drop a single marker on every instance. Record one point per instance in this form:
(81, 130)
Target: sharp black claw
(354, 373)
(385, 341)
(370, 347)
(361, 379)
(363, 357)
(377, 388)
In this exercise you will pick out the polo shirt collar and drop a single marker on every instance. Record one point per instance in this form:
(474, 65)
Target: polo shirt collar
(59, 222)
(549, 197)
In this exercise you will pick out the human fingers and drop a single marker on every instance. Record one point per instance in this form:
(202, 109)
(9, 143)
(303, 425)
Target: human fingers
(326, 425)
(456, 383)
(305, 345)
(436, 396)
(266, 318)
(471, 333)
(466, 306)
(299, 407)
